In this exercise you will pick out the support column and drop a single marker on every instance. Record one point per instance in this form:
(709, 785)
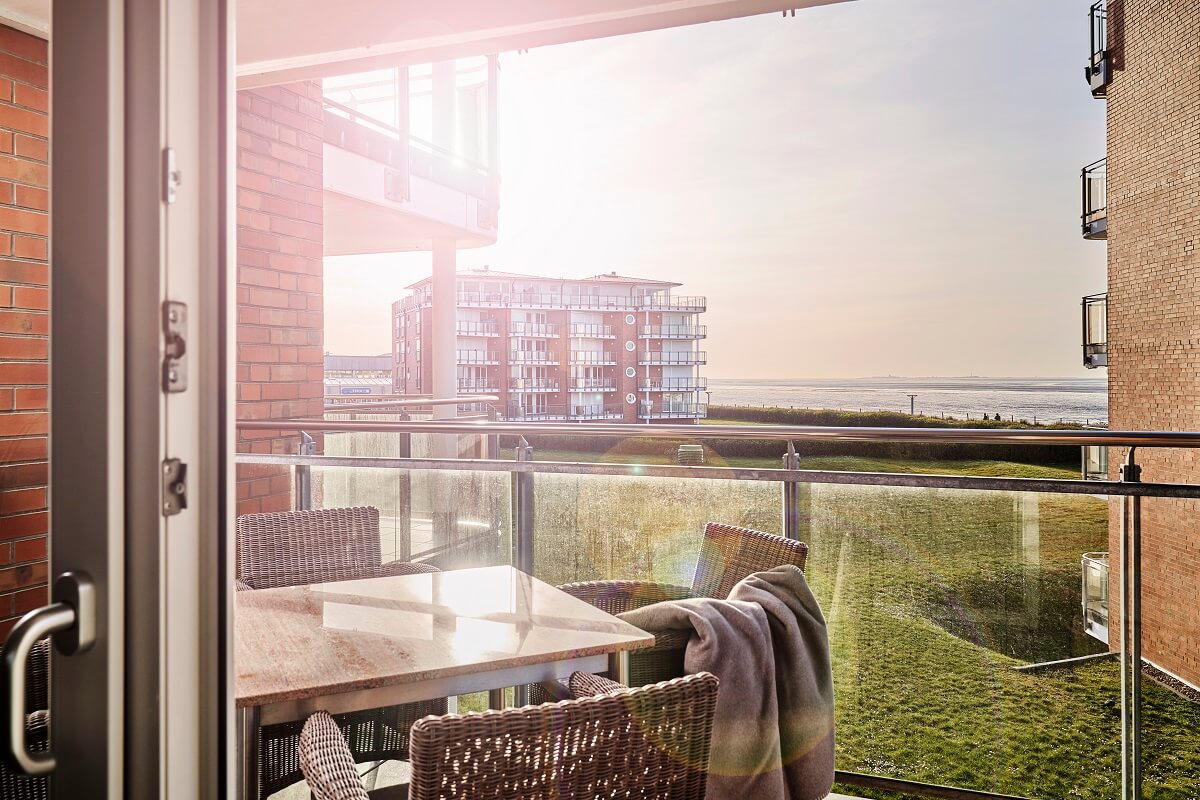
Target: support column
(444, 304)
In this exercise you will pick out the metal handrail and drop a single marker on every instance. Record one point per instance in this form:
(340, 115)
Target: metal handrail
(1027, 436)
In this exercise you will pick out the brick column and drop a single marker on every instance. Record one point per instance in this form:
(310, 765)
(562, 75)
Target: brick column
(24, 323)
(279, 294)
(1153, 311)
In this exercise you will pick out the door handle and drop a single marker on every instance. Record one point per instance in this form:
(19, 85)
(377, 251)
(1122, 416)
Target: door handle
(71, 620)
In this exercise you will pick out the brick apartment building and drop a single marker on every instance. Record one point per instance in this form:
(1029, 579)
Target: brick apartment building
(609, 347)
(1146, 330)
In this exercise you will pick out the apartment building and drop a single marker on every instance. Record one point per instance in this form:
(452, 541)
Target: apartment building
(356, 376)
(609, 347)
(1143, 200)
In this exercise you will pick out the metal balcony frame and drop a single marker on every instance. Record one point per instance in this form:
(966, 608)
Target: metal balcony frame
(1098, 70)
(1094, 221)
(1095, 354)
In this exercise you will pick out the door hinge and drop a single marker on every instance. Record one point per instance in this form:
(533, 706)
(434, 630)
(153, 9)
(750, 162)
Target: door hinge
(174, 368)
(171, 176)
(174, 487)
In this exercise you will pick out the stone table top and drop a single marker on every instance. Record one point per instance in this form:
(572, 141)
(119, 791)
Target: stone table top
(302, 642)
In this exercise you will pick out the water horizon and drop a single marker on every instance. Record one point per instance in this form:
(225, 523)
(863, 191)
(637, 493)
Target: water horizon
(1069, 399)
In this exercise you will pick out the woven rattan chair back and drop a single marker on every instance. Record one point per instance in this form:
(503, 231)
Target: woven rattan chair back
(290, 548)
(17, 786)
(730, 553)
(649, 743)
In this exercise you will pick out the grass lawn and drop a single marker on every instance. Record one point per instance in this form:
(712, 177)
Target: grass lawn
(932, 596)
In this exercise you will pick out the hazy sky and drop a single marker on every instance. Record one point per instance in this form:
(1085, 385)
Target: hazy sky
(877, 187)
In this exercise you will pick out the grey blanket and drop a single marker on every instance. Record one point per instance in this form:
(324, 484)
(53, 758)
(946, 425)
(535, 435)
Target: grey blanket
(773, 733)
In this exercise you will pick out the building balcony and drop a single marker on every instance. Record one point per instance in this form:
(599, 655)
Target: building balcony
(535, 330)
(533, 384)
(478, 387)
(594, 358)
(1095, 331)
(673, 385)
(1095, 595)
(543, 357)
(600, 302)
(673, 332)
(482, 300)
(674, 303)
(667, 358)
(477, 357)
(1095, 463)
(596, 412)
(1094, 178)
(1098, 70)
(593, 385)
(674, 411)
(518, 414)
(584, 331)
(488, 329)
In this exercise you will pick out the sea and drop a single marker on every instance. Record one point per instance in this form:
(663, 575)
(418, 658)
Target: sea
(1044, 400)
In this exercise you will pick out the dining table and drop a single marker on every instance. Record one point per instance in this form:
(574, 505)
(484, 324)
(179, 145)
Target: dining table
(362, 644)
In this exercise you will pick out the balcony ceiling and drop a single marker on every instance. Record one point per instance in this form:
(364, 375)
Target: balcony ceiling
(279, 41)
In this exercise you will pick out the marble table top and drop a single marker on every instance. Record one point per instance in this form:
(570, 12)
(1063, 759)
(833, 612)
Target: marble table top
(301, 642)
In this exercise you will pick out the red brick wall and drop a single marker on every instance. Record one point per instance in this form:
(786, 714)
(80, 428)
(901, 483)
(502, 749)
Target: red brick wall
(280, 369)
(24, 322)
(1154, 290)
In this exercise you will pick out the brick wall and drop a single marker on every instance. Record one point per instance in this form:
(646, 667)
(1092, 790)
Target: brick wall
(280, 371)
(1154, 298)
(24, 322)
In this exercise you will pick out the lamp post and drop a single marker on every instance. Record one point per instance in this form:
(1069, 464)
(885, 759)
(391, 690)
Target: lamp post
(912, 405)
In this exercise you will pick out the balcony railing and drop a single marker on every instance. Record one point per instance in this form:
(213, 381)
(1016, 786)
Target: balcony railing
(674, 411)
(594, 358)
(535, 330)
(1095, 331)
(533, 384)
(477, 357)
(478, 387)
(602, 302)
(1095, 199)
(665, 357)
(476, 329)
(1095, 595)
(585, 331)
(673, 385)
(932, 600)
(533, 357)
(683, 303)
(593, 385)
(596, 412)
(1098, 70)
(674, 303)
(673, 332)
(1095, 463)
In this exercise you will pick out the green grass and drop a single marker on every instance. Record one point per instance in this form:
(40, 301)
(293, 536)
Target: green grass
(932, 596)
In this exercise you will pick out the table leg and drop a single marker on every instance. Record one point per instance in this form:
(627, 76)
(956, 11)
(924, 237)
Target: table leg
(496, 699)
(248, 770)
(521, 695)
(618, 667)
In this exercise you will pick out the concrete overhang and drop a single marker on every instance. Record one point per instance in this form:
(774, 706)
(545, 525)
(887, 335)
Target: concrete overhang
(288, 40)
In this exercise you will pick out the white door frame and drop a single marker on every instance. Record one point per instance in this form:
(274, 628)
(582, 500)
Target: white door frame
(146, 711)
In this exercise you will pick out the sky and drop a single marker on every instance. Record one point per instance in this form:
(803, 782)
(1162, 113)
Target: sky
(880, 187)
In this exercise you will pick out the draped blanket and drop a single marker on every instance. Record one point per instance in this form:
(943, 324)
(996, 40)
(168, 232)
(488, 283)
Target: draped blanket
(773, 732)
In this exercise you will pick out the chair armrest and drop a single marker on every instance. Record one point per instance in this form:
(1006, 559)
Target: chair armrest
(617, 597)
(405, 568)
(326, 760)
(240, 585)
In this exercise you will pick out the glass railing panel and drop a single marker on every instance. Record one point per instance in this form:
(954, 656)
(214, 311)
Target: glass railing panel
(592, 527)
(451, 519)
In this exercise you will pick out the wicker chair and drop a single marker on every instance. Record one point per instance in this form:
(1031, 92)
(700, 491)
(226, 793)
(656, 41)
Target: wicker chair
(641, 744)
(15, 785)
(727, 555)
(293, 548)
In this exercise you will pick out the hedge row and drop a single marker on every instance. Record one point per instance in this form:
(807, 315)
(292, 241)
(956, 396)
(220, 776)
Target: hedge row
(709, 436)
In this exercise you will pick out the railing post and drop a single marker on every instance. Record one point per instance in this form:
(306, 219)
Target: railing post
(523, 511)
(793, 497)
(1131, 634)
(308, 447)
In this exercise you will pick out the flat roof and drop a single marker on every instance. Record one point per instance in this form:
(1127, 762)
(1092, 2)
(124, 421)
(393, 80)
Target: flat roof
(607, 277)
